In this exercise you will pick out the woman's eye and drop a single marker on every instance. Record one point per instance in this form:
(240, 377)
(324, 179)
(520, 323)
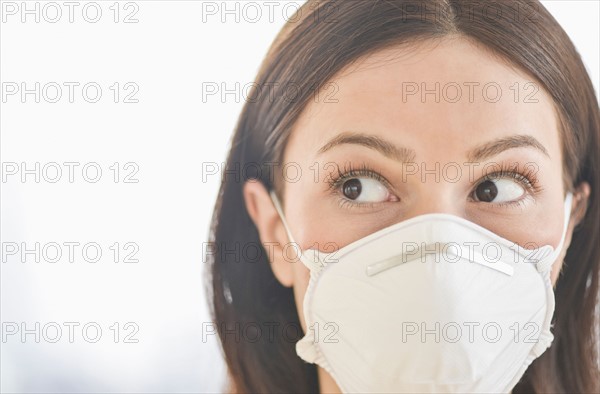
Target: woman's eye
(499, 190)
(364, 190)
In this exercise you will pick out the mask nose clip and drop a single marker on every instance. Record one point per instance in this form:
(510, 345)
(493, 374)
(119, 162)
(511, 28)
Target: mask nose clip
(451, 250)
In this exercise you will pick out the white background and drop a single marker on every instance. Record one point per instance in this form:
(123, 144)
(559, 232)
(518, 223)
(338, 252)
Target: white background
(169, 53)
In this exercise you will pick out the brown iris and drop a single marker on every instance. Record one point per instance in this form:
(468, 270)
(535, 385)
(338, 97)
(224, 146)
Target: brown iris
(486, 191)
(352, 188)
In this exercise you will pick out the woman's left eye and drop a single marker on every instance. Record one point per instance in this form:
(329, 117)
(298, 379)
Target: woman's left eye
(499, 190)
(365, 190)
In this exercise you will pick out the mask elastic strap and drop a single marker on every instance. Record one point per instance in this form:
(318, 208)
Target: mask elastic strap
(546, 262)
(314, 263)
(281, 215)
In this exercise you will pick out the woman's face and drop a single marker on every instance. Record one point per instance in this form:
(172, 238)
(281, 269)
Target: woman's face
(387, 113)
(418, 149)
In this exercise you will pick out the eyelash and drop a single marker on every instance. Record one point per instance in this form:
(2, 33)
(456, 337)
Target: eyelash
(349, 172)
(526, 178)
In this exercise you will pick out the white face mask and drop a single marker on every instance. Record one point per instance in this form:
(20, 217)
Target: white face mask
(435, 303)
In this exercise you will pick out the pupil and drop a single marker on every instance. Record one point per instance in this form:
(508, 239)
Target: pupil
(352, 188)
(486, 191)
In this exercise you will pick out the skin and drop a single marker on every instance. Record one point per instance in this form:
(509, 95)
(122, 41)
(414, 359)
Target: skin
(370, 101)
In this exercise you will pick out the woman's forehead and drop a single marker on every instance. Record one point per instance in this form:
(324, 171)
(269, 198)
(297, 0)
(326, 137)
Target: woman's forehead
(453, 91)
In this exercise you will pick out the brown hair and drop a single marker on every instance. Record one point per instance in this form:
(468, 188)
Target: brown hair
(325, 36)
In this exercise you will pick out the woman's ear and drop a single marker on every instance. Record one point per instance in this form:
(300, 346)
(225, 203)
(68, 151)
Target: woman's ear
(580, 202)
(578, 209)
(270, 228)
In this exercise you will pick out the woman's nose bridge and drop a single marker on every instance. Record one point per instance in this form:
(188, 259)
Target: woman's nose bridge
(435, 197)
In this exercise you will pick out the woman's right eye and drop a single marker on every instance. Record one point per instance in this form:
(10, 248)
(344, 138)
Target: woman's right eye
(365, 190)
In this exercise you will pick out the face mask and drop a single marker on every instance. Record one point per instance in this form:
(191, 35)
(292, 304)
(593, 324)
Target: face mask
(435, 303)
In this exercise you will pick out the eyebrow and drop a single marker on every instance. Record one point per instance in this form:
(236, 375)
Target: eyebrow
(499, 145)
(386, 148)
(404, 154)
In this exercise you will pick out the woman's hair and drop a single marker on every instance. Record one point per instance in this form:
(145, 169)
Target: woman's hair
(318, 41)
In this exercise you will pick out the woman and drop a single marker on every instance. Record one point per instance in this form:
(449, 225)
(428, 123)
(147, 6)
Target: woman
(412, 123)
